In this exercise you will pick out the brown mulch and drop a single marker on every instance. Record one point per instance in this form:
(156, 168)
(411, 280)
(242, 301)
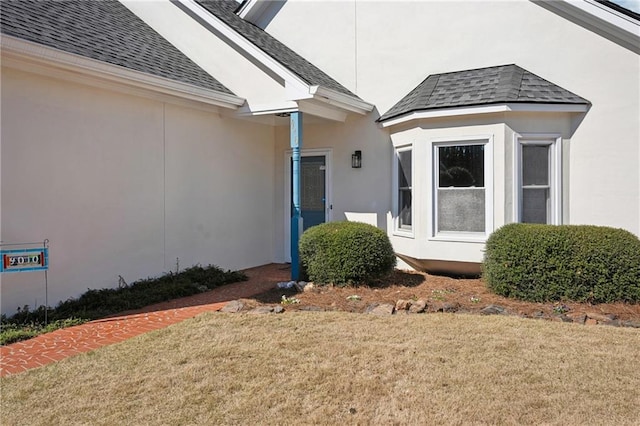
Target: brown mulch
(440, 293)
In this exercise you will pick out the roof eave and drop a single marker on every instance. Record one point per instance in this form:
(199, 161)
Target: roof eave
(482, 109)
(340, 100)
(297, 88)
(50, 60)
(590, 13)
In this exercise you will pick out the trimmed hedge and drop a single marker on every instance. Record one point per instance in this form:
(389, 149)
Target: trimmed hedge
(346, 253)
(570, 262)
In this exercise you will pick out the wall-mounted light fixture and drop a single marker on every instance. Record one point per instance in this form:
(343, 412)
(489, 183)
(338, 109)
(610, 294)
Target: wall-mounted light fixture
(356, 159)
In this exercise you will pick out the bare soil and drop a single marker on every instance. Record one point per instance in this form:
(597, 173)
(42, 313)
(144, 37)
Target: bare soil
(440, 293)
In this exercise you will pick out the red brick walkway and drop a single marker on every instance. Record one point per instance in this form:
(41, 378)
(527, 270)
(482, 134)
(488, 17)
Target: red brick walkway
(60, 344)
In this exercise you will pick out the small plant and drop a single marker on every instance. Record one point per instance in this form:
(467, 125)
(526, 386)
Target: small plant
(289, 300)
(560, 309)
(441, 294)
(475, 299)
(95, 304)
(354, 297)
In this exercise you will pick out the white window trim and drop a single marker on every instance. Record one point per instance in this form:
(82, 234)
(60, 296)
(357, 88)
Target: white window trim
(397, 231)
(473, 237)
(553, 140)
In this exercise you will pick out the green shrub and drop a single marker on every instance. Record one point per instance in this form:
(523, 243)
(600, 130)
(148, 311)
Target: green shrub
(346, 253)
(94, 304)
(570, 262)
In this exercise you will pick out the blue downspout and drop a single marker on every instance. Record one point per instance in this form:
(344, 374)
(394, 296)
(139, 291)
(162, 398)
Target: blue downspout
(296, 145)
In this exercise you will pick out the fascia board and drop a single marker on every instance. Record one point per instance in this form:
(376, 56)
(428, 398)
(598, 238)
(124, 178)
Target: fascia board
(486, 109)
(323, 110)
(50, 61)
(220, 27)
(595, 15)
(341, 100)
(267, 109)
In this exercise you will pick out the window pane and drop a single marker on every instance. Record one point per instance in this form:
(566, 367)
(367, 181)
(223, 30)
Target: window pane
(461, 166)
(312, 179)
(535, 165)
(461, 210)
(404, 189)
(404, 169)
(404, 209)
(535, 202)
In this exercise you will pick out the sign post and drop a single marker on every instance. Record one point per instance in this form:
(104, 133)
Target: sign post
(21, 258)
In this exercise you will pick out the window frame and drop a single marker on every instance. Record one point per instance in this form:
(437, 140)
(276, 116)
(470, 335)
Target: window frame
(462, 236)
(554, 142)
(397, 229)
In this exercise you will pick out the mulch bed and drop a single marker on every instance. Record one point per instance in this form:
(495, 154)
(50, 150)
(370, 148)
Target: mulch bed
(443, 294)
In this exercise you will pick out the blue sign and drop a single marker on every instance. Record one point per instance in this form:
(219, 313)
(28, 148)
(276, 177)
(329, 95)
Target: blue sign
(24, 260)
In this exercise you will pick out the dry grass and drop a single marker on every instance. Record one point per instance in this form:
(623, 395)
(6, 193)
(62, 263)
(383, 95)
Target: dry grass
(341, 368)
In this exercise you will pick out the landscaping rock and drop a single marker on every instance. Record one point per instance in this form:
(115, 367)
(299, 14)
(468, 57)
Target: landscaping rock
(591, 321)
(312, 309)
(380, 309)
(577, 317)
(232, 307)
(262, 310)
(308, 287)
(630, 323)
(418, 307)
(300, 285)
(448, 307)
(278, 309)
(403, 305)
(492, 310)
(603, 318)
(286, 284)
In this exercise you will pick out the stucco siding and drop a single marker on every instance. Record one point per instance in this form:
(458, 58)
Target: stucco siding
(123, 185)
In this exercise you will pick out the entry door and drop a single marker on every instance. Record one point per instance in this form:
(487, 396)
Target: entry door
(315, 196)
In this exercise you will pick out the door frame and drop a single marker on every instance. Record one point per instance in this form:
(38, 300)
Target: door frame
(327, 153)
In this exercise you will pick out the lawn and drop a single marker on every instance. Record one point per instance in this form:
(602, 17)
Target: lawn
(342, 368)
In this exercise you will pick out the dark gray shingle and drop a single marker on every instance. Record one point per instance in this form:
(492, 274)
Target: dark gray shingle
(104, 30)
(493, 85)
(225, 11)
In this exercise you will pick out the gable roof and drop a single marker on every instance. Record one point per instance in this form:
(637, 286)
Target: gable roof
(484, 86)
(225, 10)
(105, 31)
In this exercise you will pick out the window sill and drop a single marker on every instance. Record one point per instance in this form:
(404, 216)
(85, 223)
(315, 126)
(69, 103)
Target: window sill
(403, 233)
(460, 238)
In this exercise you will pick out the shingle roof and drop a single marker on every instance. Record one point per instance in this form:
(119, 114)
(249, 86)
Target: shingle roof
(225, 11)
(104, 30)
(500, 84)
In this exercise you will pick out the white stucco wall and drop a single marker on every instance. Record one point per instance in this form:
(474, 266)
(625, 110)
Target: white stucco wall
(391, 46)
(122, 185)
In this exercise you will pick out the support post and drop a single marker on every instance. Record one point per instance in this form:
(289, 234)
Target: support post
(296, 145)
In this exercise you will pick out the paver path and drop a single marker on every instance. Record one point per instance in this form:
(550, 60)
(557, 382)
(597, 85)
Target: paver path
(60, 344)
